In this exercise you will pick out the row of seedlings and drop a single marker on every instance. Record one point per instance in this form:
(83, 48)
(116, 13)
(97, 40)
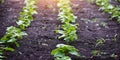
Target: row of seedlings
(106, 7)
(13, 33)
(109, 8)
(114, 11)
(67, 32)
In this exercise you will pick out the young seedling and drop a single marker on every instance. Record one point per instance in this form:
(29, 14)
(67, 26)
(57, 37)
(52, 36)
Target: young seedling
(9, 38)
(12, 35)
(95, 53)
(98, 53)
(100, 42)
(94, 20)
(68, 32)
(65, 11)
(62, 50)
(115, 37)
(103, 24)
(114, 55)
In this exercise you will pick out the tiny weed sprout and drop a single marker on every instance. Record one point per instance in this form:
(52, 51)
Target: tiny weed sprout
(114, 55)
(100, 42)
(95, 52)
(98, 53)
(104, 24)
(68, 31)
(60, 52)
(94, 19)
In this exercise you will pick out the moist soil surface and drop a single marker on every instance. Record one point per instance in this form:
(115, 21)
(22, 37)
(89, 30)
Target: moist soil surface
(41, 39)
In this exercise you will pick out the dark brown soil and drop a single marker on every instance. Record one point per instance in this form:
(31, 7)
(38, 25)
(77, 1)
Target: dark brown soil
(42, 39)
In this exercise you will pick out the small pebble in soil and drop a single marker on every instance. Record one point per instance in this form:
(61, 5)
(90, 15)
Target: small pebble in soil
(98, 28)
(96, 24)
(44, 44)
(20, 53)
(87, 26)
(10, 9)
(86, 22)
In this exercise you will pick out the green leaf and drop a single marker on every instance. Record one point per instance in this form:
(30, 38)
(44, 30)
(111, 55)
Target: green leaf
(8, 49)
(17, 44)
(20, 22)
(74, 53)
(60, 31)
(12, 40)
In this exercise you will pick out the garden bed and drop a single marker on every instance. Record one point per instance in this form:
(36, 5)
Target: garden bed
(42, 39)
